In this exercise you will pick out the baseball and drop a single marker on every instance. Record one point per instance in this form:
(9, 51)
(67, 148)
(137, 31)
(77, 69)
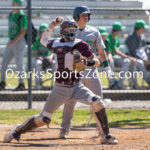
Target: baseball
(60, 19)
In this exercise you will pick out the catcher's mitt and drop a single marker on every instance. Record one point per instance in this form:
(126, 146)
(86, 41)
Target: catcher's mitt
(79, 61)
(45, 63)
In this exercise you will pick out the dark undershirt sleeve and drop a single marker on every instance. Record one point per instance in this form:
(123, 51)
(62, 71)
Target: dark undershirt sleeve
(84, 49)
(49, 44)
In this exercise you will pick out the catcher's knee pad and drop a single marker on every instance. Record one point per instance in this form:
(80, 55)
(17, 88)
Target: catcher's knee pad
(33, 123)
(96, 103)
(41, 120)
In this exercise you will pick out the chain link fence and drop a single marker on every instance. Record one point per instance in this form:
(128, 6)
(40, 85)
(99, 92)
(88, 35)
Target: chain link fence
(103, 14)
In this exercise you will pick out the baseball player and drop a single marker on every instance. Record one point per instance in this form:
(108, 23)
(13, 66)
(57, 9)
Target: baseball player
(68, 88)
(81, 15)
(112, 49)
(136, 43)
(16, 45)
(41, 54)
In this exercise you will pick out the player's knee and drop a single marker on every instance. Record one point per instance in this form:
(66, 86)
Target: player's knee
(140, 62)
(96, 103)
(42, 119)
(126, 62)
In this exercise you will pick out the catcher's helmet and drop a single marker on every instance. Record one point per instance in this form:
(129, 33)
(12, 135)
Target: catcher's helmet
(80, 10)
(68, 23)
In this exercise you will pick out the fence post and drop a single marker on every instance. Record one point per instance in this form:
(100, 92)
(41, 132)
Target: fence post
(29, 41)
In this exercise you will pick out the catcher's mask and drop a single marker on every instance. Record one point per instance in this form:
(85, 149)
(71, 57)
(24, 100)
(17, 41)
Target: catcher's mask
(81, 10)
(68, 29)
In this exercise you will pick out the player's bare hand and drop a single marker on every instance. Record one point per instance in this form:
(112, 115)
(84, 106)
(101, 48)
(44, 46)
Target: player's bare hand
(57, 21)
(133, 60)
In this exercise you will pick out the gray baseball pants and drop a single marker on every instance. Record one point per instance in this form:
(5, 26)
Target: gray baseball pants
(66, 93)
(141, 67)
(124, 63)
(60, 94)
(16, 51)
(91, 83)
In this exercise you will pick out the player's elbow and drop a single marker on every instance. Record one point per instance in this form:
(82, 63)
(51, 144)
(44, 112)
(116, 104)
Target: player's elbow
(42, 42)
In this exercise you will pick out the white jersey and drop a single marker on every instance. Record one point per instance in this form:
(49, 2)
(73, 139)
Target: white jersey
(92, 36)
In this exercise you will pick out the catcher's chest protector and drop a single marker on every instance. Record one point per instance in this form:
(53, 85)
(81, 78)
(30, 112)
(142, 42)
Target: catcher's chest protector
(63, 54)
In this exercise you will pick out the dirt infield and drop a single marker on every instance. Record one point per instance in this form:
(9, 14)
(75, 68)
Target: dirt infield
(79, 139)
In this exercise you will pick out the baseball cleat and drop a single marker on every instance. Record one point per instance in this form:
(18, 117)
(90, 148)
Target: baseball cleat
(109, 139)
(63, 134)
(10, 135)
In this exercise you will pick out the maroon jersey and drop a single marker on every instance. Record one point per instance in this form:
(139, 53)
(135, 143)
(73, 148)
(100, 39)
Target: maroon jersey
(64, 59)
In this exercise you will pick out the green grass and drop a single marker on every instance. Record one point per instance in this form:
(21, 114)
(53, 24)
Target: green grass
(129, 117)
(117, 118)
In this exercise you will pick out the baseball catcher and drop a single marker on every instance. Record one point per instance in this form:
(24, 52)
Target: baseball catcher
(68, 88)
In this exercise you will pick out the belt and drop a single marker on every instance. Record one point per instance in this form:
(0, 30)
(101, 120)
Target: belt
(68, 83)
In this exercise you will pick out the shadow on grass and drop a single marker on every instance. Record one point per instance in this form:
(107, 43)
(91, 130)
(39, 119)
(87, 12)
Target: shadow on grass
(132, 122)
(139, 123)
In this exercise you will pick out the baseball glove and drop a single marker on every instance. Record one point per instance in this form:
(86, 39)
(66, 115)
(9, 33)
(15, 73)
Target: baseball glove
(79, 61)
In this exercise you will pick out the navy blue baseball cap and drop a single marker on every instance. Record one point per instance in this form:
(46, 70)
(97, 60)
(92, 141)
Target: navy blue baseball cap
(80, 10)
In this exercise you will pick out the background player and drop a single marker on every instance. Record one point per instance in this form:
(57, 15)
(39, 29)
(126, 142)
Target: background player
(16, 44)
(112, 44)
(92, 36)
(41, 53)
(136, 44)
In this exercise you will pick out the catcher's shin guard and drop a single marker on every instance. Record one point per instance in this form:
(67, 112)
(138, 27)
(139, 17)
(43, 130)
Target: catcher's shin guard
(102, 117)
(33, 123)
